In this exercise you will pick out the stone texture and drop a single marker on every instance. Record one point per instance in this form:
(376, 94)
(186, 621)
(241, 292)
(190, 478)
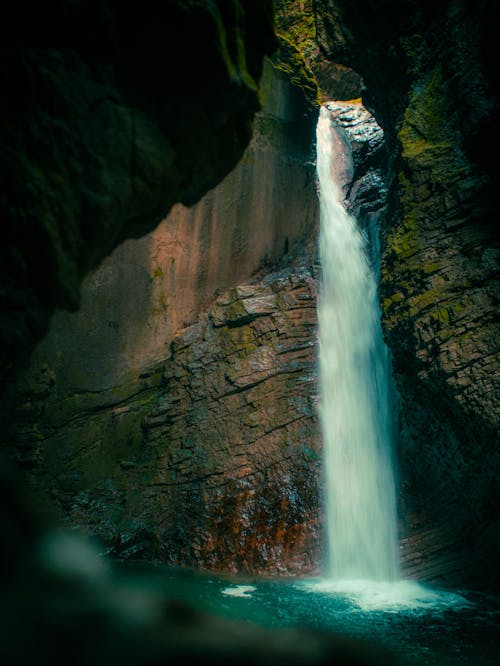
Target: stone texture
(262, 213)
(296, 25)
(430, 78)
(196, 442)
(203, 449)
(212, 459)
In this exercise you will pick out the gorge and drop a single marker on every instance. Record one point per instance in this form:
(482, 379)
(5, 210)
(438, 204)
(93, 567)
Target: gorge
(173, 415)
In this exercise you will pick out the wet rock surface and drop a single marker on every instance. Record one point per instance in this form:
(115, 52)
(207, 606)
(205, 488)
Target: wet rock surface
(213, 459)
(205, 452)
(173, 415)
(429, 77)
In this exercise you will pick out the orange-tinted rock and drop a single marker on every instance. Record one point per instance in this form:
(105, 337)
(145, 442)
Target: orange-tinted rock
(214, 459)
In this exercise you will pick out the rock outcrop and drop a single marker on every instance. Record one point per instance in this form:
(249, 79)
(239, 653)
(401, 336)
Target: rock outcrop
(212, 458)
(296, 25)
(428, 76)
(198, 442)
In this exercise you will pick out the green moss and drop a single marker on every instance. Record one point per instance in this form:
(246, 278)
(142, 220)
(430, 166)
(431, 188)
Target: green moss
(428, 131)
(239, 339)
(232, 46)
(442, 315)
(403, 240)
(422, 301)
(459, 307)
(235, 311)
(158, 272)
(290, 60)
(415, 147)
(431, 267)
(295, 20)
(425, 119)
(395, 298)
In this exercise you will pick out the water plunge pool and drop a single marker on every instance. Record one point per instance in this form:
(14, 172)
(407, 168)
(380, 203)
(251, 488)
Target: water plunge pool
(418, 625)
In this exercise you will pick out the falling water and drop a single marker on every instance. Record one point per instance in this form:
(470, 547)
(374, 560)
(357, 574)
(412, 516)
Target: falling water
(354, 379)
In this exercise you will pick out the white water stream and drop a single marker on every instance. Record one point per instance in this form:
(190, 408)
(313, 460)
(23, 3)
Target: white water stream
(354, 381)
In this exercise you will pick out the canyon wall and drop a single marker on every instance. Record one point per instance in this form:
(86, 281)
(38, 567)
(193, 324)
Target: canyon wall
(171, 417)
(215, 297)
(192, 438)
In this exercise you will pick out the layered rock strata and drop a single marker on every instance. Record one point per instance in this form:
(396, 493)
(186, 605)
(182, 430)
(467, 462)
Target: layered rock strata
(262, 213)
(203, 449)
(210, 459)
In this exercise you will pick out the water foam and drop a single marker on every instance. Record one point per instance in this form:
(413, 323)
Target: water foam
(239, 591)
(389, 596)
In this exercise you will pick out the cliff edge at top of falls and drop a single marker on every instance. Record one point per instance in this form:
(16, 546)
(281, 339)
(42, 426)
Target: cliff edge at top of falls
(110, 115)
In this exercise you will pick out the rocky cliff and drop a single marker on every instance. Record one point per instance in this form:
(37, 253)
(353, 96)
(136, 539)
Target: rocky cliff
(171, 417)
(101, 134)
(197, 442)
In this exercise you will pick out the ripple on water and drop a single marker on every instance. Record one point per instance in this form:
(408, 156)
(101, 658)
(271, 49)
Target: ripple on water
(395, 596)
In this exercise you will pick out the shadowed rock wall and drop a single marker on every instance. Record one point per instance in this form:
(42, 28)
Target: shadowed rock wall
(181, 426)
(149, 289)
(110, 115)
(430, 78)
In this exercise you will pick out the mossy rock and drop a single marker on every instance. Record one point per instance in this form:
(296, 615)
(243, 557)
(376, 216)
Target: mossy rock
(290, 60)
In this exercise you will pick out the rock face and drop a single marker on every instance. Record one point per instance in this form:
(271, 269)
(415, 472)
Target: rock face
(296, 25)
(193, 440)
(101, 133)
(149, 289)
(429, 78)
(233, 438)
(212, 459)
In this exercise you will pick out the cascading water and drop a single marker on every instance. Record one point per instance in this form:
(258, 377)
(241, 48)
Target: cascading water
(354, 384)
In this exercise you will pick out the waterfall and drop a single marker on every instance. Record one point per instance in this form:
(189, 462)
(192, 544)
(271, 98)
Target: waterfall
(354, 386)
